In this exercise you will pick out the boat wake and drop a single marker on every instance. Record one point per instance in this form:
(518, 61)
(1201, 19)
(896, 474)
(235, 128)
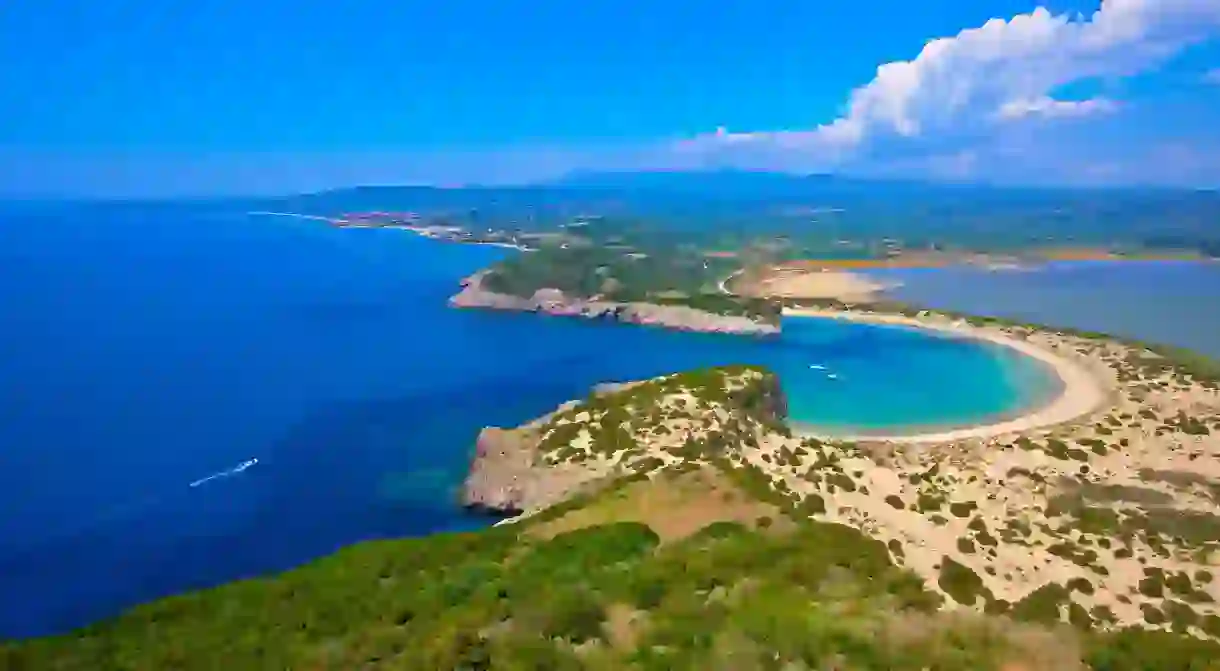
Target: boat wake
(127, 511)
(226, 473)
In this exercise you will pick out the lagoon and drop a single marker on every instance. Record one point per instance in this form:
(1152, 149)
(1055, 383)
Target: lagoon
(1170, 302)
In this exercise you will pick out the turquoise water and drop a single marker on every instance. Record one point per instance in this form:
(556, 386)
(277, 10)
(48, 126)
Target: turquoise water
(147, 349)
(892, 379)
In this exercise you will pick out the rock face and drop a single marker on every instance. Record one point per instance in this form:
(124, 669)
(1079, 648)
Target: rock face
(500, 471)
(507, 476)
(555, 302)
(549, 458)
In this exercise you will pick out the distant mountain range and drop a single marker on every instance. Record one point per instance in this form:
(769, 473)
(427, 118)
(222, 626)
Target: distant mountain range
(745, 186)
(775, 202)
(660, 192)
(715, 185)
(740, 183)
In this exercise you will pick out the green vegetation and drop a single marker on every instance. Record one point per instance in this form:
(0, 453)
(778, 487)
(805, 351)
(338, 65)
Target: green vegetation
(615, 420)
(961, 583)
(609, 596)
(625, 273)
(1157, 523)
(566, 591)
(963, 508)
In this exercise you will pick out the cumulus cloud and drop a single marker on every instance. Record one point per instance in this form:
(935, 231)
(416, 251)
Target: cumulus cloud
(998, 73)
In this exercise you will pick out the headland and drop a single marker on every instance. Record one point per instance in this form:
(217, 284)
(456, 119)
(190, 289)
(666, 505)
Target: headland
(680, 523)
(676, 315)
(1115, 483)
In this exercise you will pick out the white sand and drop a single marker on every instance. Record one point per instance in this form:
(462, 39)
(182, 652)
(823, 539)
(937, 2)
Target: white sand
(1081, 391)
(1009, 537)
(790, 282)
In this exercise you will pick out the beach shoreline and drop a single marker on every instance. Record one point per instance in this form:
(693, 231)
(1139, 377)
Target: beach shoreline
(438, 233)
(1079, 391)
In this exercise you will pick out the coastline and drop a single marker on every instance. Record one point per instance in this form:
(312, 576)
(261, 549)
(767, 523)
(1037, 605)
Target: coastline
(1079, 391)
(473, 295)
(437, 233)
(431, 234)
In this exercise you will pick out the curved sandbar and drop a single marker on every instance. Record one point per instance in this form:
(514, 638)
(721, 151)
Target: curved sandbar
(1080, 392)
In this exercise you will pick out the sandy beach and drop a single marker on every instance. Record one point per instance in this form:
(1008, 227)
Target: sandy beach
(1080, 393)
(801, 281)
(1116, 481)
(1107, 498)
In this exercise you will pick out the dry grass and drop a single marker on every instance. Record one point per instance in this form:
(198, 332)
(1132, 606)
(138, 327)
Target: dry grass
(1021, 647)
(623, 625)
(674, 506)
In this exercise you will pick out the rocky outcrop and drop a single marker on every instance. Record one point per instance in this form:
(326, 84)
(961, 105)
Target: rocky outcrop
(685, 318)
(555, 302)
(508, 476)
(549, 458)
(500, 473)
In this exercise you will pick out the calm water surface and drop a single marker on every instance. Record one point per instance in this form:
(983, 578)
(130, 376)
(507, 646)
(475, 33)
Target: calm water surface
(1172, 302)
(149, 349)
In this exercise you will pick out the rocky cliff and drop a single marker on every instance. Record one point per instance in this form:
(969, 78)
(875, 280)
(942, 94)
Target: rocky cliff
(623, 428)
(555, 302)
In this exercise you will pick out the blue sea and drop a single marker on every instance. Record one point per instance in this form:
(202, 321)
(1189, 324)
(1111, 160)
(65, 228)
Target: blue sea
(190, 395)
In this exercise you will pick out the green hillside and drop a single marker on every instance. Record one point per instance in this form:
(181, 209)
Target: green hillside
(688, 569)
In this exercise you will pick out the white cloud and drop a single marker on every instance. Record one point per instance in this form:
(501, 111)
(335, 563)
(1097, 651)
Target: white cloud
(1048, 107)
(999, 72)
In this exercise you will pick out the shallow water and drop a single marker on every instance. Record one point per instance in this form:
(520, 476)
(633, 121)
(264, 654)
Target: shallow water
(147, 349)
(1172, 302)
(983, 383)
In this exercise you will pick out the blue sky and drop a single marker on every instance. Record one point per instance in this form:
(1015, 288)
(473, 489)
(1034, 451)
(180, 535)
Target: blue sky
(144, 97)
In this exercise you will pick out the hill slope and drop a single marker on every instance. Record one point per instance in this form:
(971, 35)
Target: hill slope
(688, 553)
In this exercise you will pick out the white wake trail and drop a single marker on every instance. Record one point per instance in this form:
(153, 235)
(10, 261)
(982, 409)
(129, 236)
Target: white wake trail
(226, 473)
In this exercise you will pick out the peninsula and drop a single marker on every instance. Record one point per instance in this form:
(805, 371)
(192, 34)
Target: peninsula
(1100, 510)
(680, 523)
(714, 278)
(678, 313)
(683, 522)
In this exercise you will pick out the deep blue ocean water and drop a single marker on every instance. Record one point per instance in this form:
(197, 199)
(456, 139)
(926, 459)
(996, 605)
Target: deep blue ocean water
(145, 349)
